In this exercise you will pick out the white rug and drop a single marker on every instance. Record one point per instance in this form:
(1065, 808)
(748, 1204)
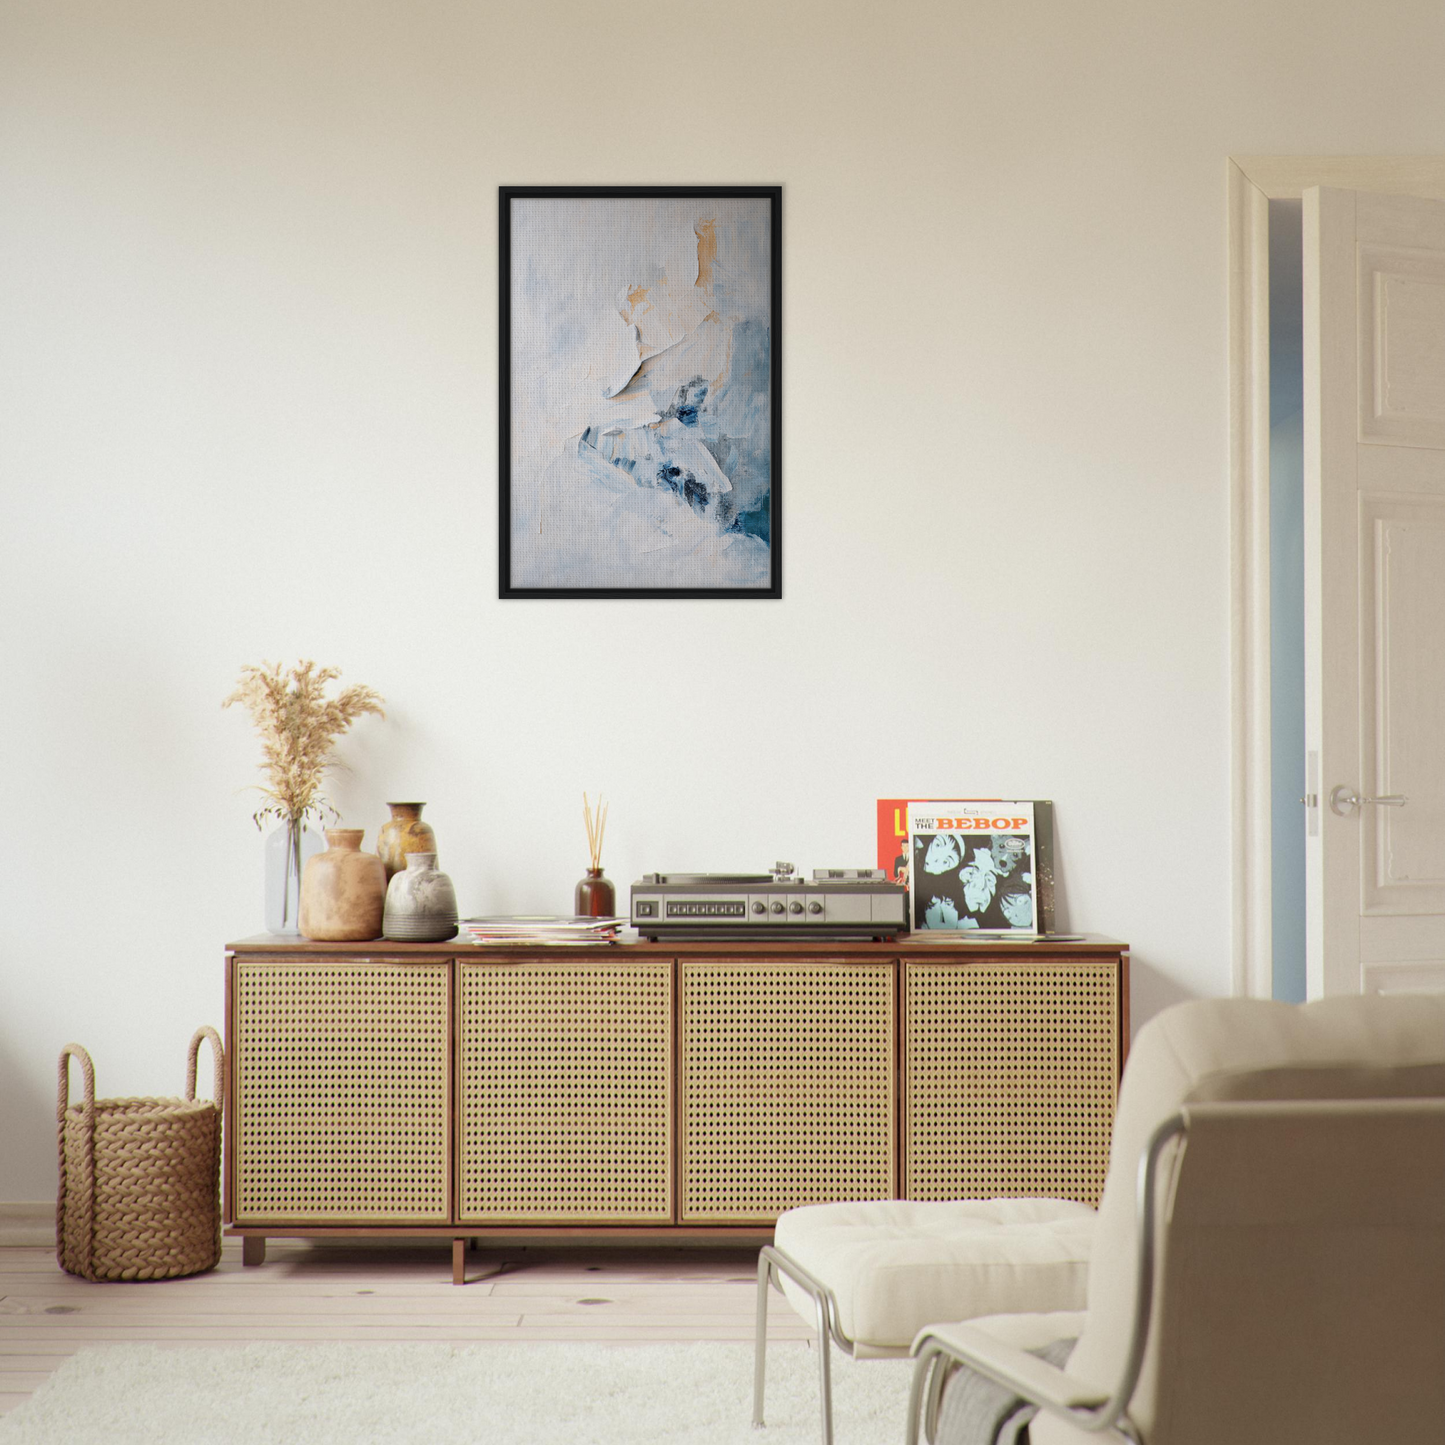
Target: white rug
(490, 1394)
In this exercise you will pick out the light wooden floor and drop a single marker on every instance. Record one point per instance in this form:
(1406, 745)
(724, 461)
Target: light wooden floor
(381, 1292)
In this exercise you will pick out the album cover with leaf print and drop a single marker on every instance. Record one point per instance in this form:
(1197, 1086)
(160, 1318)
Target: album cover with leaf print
(977, 864)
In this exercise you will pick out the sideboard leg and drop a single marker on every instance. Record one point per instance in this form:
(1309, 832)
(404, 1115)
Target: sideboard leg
(459, 1261)
(253, 1249)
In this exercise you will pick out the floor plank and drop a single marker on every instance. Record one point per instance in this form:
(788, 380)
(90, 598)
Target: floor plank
(382, 1292)
(23, 1381)
(40, 1361)
(56, 1311)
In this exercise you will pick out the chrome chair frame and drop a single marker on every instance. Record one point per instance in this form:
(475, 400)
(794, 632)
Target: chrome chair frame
(937, 1358)
(771, 1264)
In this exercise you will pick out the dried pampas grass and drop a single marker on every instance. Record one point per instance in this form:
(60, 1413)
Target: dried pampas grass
(298, 724)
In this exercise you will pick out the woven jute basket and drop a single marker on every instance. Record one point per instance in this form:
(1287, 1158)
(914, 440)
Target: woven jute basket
(139, 1178)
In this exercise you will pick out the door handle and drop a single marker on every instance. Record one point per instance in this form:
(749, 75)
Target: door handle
(1344, 800)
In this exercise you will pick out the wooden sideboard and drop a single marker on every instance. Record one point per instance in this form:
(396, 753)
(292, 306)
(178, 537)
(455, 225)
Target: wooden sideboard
(657, 1091)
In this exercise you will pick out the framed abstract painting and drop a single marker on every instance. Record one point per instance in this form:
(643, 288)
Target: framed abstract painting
(640, 391)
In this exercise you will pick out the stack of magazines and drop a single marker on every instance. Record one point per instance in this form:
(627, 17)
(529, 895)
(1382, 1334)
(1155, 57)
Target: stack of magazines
(524, 928)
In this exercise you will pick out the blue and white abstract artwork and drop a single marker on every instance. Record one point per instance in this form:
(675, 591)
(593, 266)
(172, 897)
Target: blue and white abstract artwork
(639, 400)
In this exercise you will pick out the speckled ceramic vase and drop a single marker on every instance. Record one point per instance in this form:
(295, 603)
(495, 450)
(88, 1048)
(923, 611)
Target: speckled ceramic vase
(403, 833)
(421, 904)
(343, 890)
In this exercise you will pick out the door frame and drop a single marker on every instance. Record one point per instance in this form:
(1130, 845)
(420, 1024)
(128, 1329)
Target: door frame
(1254, 181)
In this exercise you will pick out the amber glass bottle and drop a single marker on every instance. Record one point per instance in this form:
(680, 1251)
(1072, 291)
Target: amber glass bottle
(595, 896)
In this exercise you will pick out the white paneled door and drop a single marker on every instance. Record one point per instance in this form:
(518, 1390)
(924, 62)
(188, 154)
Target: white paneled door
(1374, 280)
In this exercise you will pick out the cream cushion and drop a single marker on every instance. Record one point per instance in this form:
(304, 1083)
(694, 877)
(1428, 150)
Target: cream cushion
(896, 1265)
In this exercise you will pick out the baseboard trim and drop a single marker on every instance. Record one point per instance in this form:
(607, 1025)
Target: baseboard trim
(27, 1223)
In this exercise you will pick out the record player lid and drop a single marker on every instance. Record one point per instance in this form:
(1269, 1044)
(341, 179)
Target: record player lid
(702, 879)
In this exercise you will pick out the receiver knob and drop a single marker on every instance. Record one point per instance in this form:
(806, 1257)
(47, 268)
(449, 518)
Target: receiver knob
(795, 907)
(777, 908)
(815, 907)
(759, 906)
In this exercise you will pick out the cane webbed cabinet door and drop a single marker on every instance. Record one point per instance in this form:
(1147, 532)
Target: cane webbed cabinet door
(1011, 1072)
(342, 1081)
(787, 1077)
(565, 1072)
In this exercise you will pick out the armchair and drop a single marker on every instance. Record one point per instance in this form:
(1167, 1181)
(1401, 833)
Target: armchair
(1269, 1258)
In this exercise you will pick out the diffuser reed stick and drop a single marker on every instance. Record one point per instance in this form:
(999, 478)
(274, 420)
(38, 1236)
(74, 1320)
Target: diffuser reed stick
(596, 826)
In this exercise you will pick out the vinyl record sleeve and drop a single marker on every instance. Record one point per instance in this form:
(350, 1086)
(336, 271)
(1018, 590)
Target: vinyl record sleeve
(895, 858)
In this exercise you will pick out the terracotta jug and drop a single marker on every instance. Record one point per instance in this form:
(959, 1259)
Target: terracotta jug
(343, 890)
(403, 833)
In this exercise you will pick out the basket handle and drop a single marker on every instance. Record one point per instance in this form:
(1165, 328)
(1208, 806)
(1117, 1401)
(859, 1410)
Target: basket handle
(87, 1070)
(218, 1055)
(84, 1186)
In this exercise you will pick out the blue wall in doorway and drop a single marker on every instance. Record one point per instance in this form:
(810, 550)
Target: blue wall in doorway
(1286, 597)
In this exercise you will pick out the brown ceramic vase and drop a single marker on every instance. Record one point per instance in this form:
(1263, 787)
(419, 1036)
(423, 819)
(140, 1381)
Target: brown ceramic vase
(343, 890)
(403, 833)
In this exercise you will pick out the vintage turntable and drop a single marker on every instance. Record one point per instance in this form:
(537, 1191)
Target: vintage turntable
(834, 903)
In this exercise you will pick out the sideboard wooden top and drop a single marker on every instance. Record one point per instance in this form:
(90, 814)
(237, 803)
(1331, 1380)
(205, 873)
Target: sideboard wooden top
(907, 945)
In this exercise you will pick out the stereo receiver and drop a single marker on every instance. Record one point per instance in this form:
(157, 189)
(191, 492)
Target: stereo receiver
(835, 902)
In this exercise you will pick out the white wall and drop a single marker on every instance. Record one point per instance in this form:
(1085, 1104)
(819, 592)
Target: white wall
(248, 339)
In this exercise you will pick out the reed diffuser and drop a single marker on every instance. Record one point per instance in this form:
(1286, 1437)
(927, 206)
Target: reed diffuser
(595, 896)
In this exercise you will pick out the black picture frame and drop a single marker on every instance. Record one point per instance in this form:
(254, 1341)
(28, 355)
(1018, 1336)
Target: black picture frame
(690, 495)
